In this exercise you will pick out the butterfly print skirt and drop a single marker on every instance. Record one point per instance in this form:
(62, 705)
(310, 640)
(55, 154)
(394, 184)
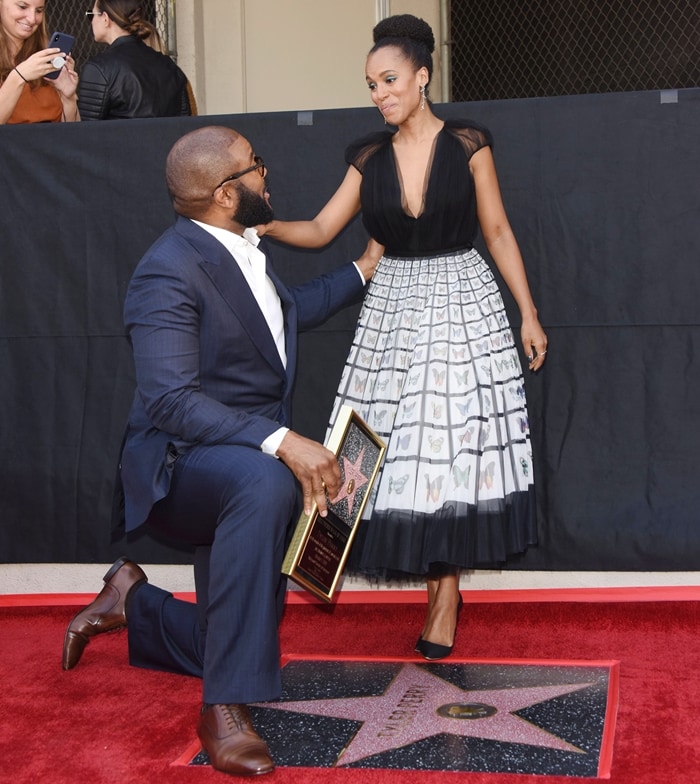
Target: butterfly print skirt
(433, 369)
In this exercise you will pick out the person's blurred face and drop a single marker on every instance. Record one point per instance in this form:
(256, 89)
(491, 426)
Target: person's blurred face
(20, 19)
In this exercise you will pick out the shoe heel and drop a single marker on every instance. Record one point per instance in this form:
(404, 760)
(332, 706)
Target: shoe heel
(432, 651)
(114, 568)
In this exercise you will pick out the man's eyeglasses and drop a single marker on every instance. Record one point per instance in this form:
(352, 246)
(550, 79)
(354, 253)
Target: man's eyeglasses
(259, 165)
(90, 14)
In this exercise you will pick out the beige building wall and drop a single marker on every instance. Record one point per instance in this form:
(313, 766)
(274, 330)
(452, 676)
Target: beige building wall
(285, 55)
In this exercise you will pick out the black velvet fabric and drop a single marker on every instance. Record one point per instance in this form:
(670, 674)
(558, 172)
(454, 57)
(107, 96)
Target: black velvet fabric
(602, 194)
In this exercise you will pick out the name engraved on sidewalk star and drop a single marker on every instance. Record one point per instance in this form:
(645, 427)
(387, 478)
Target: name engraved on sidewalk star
(404, 713)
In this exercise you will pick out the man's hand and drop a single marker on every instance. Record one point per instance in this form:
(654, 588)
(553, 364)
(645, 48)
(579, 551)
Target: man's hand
(314, 466)
(368, 261)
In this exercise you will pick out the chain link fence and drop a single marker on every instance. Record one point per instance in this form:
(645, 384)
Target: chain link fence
(527, 48)
(69, 17)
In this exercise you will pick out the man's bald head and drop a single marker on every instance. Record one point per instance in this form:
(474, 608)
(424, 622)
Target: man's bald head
(196, 165)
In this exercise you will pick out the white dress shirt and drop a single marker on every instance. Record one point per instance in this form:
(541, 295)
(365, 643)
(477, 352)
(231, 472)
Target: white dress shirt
(244, 250)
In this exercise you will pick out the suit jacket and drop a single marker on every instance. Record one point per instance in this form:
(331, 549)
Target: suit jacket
(207, 368)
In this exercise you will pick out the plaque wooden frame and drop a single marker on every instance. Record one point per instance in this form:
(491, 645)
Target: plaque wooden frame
(320, 546)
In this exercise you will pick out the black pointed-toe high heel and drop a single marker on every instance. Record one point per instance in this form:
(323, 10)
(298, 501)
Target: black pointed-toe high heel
(432, 651)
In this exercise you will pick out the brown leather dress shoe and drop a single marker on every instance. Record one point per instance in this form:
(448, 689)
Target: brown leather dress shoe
(106, 613)
(233, 746)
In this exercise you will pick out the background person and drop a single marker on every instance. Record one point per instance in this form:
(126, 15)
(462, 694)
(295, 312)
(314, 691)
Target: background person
(434, 368)
(26, 96)
(209, 459)
(130, 78)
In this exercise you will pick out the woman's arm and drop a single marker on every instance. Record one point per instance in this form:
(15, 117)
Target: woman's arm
(10, 91)
(36, 67)
(503, 247)
(93, 94)
(340, 209)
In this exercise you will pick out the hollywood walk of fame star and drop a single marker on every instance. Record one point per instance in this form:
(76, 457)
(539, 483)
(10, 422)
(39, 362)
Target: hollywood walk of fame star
(418, 705)
(354, 480)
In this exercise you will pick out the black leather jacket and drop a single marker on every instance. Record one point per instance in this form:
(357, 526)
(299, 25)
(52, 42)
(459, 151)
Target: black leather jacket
(129, 79)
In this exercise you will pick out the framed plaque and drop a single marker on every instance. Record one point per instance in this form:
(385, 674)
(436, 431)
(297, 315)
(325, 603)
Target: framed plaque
(320, 545)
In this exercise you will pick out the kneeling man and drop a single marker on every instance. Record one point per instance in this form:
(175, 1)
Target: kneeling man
(209, 458)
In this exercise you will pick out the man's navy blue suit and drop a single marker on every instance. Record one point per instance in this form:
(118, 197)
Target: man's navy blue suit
(211, 387)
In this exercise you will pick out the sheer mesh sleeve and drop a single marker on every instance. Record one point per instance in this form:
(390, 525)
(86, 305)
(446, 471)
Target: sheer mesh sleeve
(471, 135)
(447, 220)
(360, 151)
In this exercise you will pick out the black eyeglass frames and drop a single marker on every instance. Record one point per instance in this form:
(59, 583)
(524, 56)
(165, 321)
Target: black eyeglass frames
(90, 14)
(259, 165)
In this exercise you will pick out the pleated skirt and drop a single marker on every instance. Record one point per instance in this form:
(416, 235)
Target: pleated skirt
(434, 371)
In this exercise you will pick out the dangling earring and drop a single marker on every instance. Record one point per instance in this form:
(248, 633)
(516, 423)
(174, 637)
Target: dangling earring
(422, 97)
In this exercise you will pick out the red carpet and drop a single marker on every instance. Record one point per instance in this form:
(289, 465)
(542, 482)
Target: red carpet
(108, 722)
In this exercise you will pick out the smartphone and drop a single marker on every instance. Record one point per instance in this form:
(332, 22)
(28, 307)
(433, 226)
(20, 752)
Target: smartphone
(65, 43)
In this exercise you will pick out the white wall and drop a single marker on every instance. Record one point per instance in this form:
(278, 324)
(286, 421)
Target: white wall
(87, 579)
(284, 55)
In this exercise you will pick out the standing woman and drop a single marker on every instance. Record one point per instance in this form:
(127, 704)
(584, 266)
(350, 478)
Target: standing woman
(433, 367)
(130, 78)
(26, 96)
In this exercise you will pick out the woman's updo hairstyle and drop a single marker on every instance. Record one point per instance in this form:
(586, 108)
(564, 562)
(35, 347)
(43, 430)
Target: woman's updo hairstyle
(128, 14)
(413, 36)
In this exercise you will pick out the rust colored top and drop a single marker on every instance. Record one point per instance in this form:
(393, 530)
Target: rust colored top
(43, 104)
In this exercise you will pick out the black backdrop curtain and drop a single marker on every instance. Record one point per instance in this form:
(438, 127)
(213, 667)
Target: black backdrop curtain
(602, 192)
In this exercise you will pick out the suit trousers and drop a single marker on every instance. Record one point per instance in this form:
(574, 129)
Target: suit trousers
(235, 505)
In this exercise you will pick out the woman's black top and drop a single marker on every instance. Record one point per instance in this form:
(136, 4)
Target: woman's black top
(130, 79)
(447, 220)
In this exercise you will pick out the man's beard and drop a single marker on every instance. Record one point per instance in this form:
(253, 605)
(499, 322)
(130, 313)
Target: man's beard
(252, 209)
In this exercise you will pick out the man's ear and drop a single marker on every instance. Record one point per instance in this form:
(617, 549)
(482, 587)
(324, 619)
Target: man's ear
(225, 196)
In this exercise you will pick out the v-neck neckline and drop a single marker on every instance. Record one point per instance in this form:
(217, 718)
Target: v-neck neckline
(426, 181)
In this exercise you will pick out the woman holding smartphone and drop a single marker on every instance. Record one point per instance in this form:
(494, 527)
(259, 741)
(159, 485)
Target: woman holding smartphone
(26, 95)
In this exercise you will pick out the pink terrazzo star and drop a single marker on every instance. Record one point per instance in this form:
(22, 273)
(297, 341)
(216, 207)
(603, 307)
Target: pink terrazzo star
(418, 705)
(354, 480)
